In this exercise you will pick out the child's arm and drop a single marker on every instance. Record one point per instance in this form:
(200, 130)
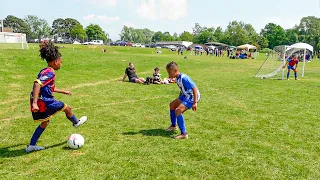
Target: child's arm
(36, 92)
(284, 66)
(63, 92)
(195, 98)
(124, 77)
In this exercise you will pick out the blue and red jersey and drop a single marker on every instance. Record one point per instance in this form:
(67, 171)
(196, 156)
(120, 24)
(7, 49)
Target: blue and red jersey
(46, 79)
(292, 62)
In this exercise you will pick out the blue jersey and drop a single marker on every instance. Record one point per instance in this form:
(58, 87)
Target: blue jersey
(185, 83)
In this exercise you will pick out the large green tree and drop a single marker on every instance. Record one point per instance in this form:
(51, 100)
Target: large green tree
(77, 32)
(275, 35)
(309, 30)
(186, 36)
(158, 36)
(95, 32)
(218, 34)
(204, 37)
(67, 28)
(236, 34)
(167, 36)
(18, 25)
(39, 27)
(292, 36)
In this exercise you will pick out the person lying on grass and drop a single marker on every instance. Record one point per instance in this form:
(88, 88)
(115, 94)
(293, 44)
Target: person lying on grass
(130, 72)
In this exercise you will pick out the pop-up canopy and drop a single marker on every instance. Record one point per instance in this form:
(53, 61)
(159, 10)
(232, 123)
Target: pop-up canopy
(303, 45)
(246, 47)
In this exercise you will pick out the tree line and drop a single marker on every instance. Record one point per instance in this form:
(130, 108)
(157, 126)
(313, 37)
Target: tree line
(236, 33)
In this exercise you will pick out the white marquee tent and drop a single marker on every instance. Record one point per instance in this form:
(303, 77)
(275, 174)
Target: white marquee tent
(247, 47)
(303, 46)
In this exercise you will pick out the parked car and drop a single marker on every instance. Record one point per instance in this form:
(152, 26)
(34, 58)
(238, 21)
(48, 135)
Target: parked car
(96, 42)
(136, 45)
(122, 43)
(143, 46)
(153, 45)
(129, 44)
(114, 44)
(76, 42)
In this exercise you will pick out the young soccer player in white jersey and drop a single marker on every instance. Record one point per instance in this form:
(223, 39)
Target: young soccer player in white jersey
(188, 98)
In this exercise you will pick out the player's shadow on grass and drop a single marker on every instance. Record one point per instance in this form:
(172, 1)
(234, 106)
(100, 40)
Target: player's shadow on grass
(151, 132)
(7, 152)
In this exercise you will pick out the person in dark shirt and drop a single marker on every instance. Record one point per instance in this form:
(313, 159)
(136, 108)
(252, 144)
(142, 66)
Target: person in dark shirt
(130, 72)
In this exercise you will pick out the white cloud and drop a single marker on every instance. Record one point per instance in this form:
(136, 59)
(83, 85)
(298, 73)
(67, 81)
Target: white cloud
(173, 10)
(104, 2)
(89, 17)
(108, 20)
(103, 18)
(163, 9)
(147, 9)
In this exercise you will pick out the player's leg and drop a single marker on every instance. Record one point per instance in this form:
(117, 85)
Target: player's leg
(295, 73)
(180, 119)
(173, 105)
(72, 118)
(288, 74)
(35, 137)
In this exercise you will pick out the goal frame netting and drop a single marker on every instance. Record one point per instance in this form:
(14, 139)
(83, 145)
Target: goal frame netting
(282, 56)
(13, 41)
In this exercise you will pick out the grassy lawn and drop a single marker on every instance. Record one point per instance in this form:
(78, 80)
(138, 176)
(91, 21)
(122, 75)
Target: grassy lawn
(244, 128)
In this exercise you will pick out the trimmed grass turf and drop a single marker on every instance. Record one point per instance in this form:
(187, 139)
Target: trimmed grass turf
(244, 128)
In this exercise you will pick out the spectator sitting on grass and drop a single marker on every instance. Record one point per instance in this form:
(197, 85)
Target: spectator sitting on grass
(131, 73)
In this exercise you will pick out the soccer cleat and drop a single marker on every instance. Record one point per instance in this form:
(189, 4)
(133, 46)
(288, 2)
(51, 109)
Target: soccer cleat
(181, 136)
(296, 79)
(31, 148)
(82, 120)
(172, 128)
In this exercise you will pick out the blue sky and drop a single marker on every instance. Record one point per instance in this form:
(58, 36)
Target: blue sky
(165, 15)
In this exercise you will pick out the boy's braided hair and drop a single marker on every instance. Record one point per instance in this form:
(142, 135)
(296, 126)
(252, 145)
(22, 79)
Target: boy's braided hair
(49, 52)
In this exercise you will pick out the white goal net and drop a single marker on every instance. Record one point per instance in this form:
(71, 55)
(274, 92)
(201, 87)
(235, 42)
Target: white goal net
(13, 41)
(272, 67)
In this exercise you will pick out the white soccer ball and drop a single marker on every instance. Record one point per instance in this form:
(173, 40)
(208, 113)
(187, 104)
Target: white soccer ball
(75, 141)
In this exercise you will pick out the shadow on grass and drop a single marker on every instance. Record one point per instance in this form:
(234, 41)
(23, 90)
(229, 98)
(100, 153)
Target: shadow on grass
(6, 152)
(151, 132)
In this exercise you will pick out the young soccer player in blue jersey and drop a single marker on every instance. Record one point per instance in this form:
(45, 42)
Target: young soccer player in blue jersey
(42, 102)
(188, 98)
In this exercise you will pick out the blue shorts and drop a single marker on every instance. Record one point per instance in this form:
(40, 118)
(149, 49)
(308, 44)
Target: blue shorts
(47, 111)
(133, 80)
(291, 67)
(186, 102)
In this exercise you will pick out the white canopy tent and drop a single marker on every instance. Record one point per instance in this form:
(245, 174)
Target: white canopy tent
(303, 46)
(247, 47)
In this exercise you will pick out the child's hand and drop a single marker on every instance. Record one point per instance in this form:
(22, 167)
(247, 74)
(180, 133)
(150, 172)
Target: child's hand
(35, 107)
(194, 106)
(68, 93)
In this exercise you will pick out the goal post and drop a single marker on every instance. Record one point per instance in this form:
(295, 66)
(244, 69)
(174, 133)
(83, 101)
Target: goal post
(272, 67)
(13, 41)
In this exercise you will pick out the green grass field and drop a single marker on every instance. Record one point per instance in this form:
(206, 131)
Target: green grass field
(244, 128)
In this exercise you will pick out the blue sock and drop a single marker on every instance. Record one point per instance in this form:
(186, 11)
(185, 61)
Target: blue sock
(288, 75)
(173, 118)
(295, 75)
(181, 124)
(73, 119)
(37, 133)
